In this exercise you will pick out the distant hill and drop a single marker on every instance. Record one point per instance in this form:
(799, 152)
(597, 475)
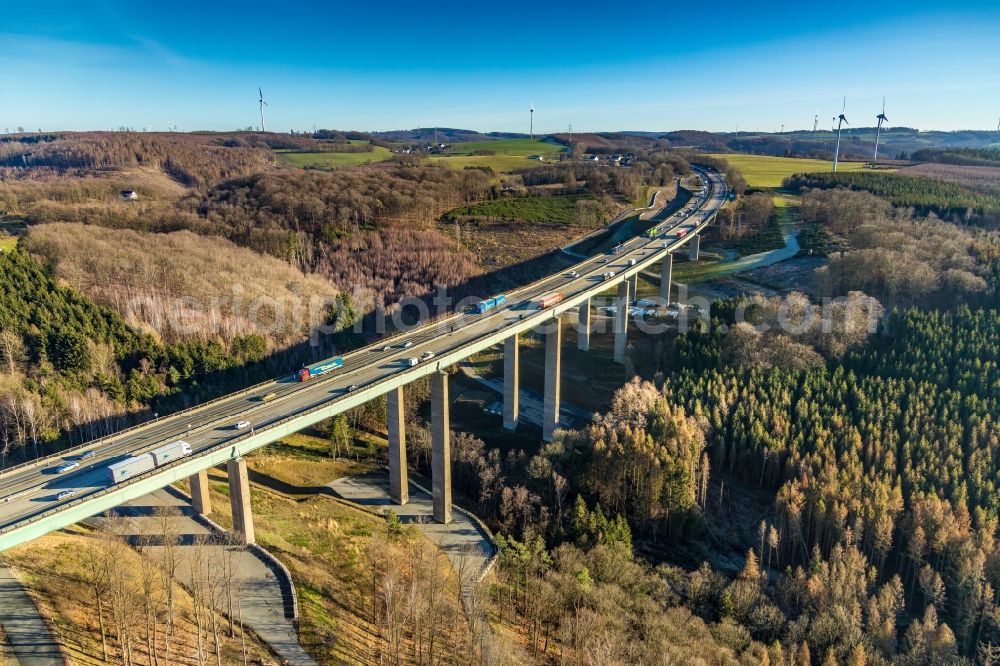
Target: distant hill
(856, 142)
(444, 135)
(606, 142)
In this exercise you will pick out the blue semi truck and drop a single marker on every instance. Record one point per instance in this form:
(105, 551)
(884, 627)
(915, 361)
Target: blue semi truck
(321, 368)
(489, 303)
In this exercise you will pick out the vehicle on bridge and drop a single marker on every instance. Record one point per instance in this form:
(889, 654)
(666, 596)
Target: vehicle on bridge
(618, 249)
(550, 299)
(136, 465)
(682, 233)
(489, 303)
(651, 233)
(131, 467)
(172, 451)
(321, 368)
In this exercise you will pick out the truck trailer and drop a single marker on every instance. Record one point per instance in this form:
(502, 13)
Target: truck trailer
(131, 467)
(144, 462)
(489, 303)
(321, 368)
(550, 299)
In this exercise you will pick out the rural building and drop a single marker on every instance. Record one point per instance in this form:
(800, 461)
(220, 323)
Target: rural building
(129, 195)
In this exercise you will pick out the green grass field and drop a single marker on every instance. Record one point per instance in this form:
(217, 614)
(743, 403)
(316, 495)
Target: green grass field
(8, 243)
(514, 147)
(767, 171)
(510, 154)
(499, 163)
(324, 160)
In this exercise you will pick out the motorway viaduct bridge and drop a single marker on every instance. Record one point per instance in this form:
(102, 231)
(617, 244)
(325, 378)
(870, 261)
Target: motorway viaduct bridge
(34, 499)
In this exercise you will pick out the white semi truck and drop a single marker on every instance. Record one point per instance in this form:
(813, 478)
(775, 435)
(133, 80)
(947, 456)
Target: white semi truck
(135, 465)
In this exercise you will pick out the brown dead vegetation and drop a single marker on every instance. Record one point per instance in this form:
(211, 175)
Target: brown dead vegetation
(181, 285)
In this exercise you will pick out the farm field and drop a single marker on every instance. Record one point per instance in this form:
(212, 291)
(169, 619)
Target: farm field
(499, 163)
(510, 154)
(330, 160)
(767, 171)
(514, 147)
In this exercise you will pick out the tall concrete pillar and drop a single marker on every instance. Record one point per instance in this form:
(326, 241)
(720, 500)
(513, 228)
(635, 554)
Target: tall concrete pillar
(621, 321)
(694, 245)
(239, 497)
(633, 287)
(511, 382)
(199, 493)
(666, 276)
(399, 486)
(553, 361)
(440, 447)
(583, 327)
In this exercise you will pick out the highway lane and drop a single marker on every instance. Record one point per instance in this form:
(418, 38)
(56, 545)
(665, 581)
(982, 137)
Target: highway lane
(35, 489)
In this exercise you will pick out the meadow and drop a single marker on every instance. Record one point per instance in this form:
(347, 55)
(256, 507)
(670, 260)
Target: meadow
(510, 154)
(767, 171)
(330, 160)
(514, 147)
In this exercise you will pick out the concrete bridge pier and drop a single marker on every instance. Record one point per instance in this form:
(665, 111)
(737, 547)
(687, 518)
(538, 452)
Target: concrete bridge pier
(633, 287)
(239, 497)
(553, 361)
(583, 327)
(511, 382)
(666, 276)
(621, 321)
(199, 493)
(440, 448)
(694, 246)
(399, 487)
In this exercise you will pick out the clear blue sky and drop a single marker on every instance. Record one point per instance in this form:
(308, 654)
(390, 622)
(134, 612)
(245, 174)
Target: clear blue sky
(381, 64)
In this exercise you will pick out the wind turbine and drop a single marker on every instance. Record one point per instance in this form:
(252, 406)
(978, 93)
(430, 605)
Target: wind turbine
(815, 121)
(531, 123)
(262, 105)
(841, 119)
(878, 130)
